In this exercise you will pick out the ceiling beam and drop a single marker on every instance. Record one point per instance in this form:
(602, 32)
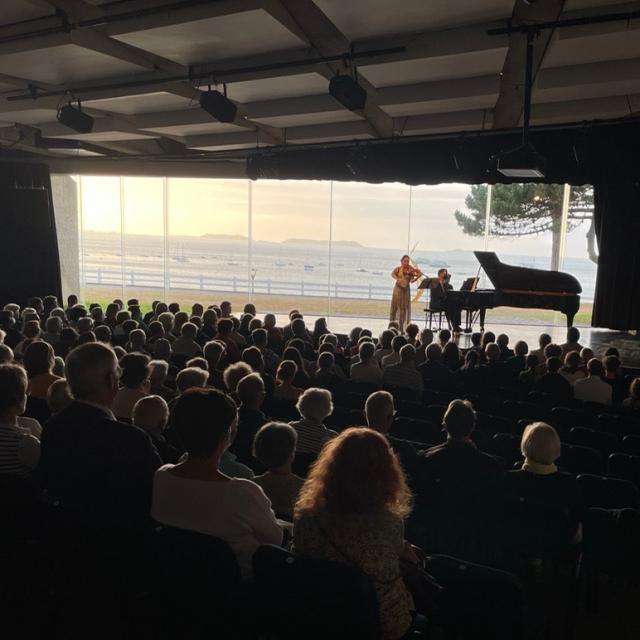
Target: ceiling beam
(509, 106)
(328, 40)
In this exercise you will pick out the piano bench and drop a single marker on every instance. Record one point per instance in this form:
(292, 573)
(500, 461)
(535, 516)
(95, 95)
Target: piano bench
(437, 315)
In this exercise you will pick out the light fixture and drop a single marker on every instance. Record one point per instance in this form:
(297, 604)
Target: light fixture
(523, 161)
(75, 118)
(348, 92)
(217, 105)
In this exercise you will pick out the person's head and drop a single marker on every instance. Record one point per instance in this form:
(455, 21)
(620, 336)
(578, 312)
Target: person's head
(36, 304)
(274, 445)
(298, 327)
(521, 348)
(586, 354)
(492, 351)
(122, 316)
(444, 336)
(259, 338)
(476, 339)
(92, 373)
(161, 307)
(84, 324)
(31, 329)
(471, 359)
(286, 372)
(249, 308)
(97, 314)
(69, 337)
(13, 391)
(502, 341)
(291, 353)
(189, 331)
(72, 300)
(225, 309)
(572, 360)
(366, 352)
(179, 320)
(205, 421)
(442, 274)
(151, 414)
(53, 325)
(269, 321)
(540, 443)
(379, 411)
(634, 389)
(552, 350)
(412, 331)
(173, 307)
(7, 319)
(6, 354)
(58, 396)
(356, 473)
(254, 324)
(612, 351)
(459, 419)
(407, 353)
(135, 370)
(426, 337)
(38, 358)
(594, 368)
(250, 391)
(197, 321)
(225, 327)
(234, 373)
(612, 365)
(75, 313)
(49, 302)
(433, 352)
(553, 364)
(253, 357)
(137, 338)
(128, 326)
(330, 338)
(58, 367)
(112, 311)
(197, 309)
(198, 361)
(320, 326)
(212, 352)
(573, 334)
(158, 371)
(326, 361)
(190, 378)
(210, 319)
(398, 342)
(166, 320)
(543, 340)
(162, 349)
(451, 354)
(315, 404)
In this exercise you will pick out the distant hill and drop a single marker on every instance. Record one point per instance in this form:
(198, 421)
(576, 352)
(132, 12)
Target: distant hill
(337, 243)
(224, 236)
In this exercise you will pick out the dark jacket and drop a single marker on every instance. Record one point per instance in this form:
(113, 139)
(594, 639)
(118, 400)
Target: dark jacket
(99, 469)
(249, 421)
(555, 385)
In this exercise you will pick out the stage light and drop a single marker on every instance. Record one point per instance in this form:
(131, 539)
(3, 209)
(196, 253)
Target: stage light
(348, 92)
(75, 118)
(523, 162)
(218, 106)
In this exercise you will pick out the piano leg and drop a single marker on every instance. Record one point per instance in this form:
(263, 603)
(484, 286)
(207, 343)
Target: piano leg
(483, 313)
(570, 316)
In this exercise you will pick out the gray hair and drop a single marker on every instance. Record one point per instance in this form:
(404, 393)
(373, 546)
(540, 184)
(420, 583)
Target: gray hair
(88, 367)
(191, 377)
(540, 443)
(6, 354)
(315, 404)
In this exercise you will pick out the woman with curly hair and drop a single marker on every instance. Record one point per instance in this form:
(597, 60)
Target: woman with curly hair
(351, 509)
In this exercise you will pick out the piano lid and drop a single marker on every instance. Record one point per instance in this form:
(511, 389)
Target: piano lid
(505, 276)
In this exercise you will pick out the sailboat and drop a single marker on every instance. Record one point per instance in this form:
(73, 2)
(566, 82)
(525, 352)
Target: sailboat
(179, 255)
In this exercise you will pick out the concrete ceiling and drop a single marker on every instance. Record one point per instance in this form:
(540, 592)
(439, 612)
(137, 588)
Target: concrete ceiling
(129, 62)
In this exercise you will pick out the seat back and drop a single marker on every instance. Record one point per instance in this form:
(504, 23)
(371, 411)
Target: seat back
(307, 598)
(605, 443)
(625, 467)
(578, 459)
(631, 444)
(608, 493)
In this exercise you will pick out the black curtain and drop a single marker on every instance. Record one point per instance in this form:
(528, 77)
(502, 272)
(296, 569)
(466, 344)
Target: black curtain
(617, 224)
(29, 260)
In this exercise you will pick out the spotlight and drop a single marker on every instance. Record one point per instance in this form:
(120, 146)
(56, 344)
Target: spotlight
(75, 118)
(523, 162)
(218, 106)
(348, 92)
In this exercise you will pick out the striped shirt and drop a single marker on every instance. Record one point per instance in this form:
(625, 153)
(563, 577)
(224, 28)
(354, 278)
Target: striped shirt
(311, 435)
(19, 451)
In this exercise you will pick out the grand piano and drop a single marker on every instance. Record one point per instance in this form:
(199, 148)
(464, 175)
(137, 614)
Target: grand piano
(519, 287)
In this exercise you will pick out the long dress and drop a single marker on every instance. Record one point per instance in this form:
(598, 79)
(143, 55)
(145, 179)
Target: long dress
(401, 298)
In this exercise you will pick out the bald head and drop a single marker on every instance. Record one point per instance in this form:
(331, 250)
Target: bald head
(151, 414)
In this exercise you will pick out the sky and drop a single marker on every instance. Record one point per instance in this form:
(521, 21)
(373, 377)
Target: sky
(388, 215)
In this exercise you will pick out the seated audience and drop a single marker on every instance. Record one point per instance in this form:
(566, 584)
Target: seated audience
(259, 337)
(274, 333)
(426, 338)
(285, 390)
(351, 509)
(251, 394)
(82, 463)
(151, 414)
(540, 480)
(225, 329)
(517, 362)
(19, 448)
(433, 371)
(530, 373)
(38, 361)
(404, 374)
(302, 379)
(186, 344)
(314, 406)
(6, 354)
(572, 344)
(615, 378)
(384, 345)
(451, 356)
(196, 494)
(274, 447)
(135, 385)
(503, 342)
(394, 357)
(411, 331)
(253, 357)
(213, 352)
(571, 370)
(543, 341)
(58, 396)
(593, 388)
(553, 383)
(233, 374)
(325, 376)
(633, 401)
(158, 372)
(191, 378)
(367, 370)
(52, 328)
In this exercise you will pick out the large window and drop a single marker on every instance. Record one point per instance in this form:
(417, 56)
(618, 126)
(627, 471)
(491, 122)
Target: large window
(325, 247)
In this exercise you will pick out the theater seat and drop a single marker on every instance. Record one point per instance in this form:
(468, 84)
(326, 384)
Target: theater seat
(608, 493)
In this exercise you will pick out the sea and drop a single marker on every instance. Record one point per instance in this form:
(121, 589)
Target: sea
(347, 270)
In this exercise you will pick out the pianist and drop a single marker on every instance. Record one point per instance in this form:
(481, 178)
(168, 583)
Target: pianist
(441, 300)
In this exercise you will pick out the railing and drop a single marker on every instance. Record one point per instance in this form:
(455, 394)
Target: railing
(235, 284)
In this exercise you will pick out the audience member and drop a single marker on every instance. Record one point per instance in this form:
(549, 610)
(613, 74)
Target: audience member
(195, 494)
(367, 370)
(593, 388)
(314, 406)
(251, 394)
(553, 383)
(433, 371)
(351, 509)
(274, 447)
(404, 374)
(151, 414)
(614, 377)
(571, 370)
(191, 378)
(394, 357)
(135, 385)
(38, 362)
(543, 341)
(58, 396)
(572, 344)
(633, 401)
(285, 389)
(186, 344)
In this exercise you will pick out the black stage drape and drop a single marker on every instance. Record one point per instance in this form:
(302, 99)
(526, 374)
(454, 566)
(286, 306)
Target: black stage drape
(29, 260)
(617, 224)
